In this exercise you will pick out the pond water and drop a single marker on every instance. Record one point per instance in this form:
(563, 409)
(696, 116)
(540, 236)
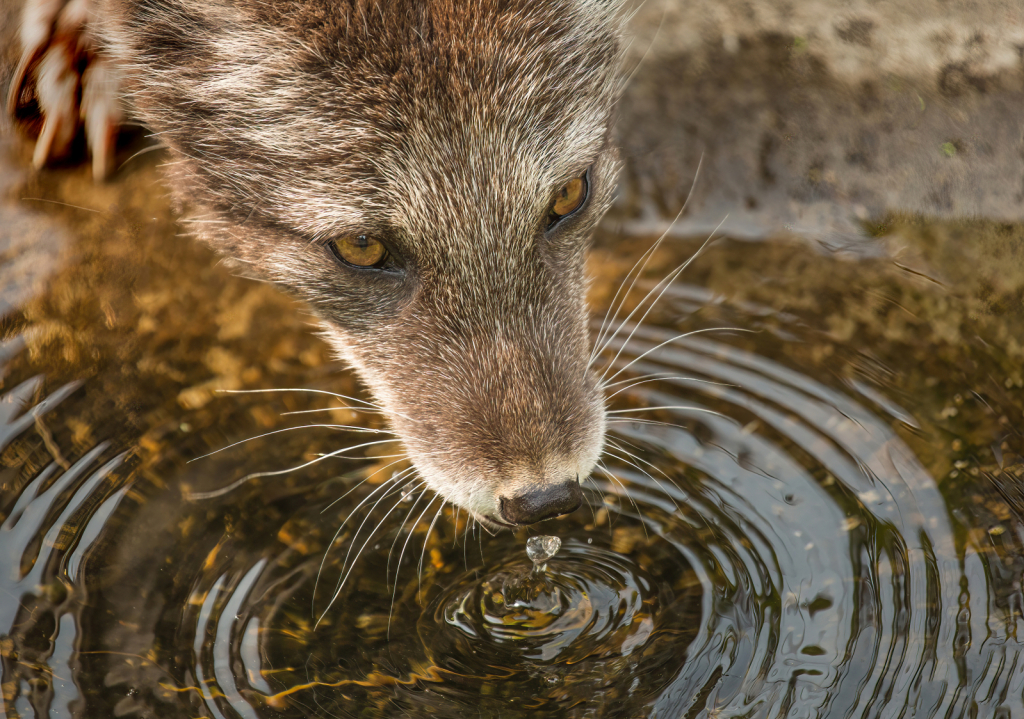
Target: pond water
(810, 503)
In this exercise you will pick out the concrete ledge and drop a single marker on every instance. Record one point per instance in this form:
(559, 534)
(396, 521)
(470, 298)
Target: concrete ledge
(817, 116)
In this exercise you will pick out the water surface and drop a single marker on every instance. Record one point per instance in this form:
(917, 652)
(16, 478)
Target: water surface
(810, 504)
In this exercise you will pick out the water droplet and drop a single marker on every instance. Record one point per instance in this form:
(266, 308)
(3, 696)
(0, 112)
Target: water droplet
(541, 549)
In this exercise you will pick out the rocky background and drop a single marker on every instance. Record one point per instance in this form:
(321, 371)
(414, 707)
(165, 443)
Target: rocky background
(819, 115)
(812, 116)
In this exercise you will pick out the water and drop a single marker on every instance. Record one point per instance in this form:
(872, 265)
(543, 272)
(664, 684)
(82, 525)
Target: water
(823, 519)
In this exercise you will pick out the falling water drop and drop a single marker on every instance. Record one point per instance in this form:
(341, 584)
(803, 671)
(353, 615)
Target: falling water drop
(541, 549)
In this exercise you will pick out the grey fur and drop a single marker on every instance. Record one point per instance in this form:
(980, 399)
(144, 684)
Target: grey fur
(443, 128)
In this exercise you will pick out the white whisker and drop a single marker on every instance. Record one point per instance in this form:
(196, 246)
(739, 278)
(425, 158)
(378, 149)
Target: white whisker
(640, 420)
(455, 522)
(679, 407)
(398, 534)
(344, 407)
(651, 376)
(637, 467)
(667, 282)
(194, 496)
(645, 258)
(625, 493)
(369, 512)
(337, 534)
(321, 458)
(676, 378)
(371, 405)
(670, 341)
(300, 389)
(401, 554)
(419, 582)
(465, 541)
(343, 427)
(369, 538)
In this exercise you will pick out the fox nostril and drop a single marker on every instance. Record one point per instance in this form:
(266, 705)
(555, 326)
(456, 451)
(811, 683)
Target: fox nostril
(543, 502)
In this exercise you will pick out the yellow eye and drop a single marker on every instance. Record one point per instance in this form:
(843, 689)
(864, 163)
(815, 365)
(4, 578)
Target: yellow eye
(359, 250)
(569, 198)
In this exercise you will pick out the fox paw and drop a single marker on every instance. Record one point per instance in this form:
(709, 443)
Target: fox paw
(62, 86)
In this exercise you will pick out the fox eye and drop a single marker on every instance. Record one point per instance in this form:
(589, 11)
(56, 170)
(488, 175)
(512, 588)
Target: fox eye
(569, 198)
(359, 251)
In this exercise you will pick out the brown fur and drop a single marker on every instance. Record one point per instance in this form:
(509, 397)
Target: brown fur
(442, 128)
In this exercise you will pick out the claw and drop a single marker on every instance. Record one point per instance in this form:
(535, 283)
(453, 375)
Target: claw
(101, 114)
(37, 25)
(57, 94)
(61, 84)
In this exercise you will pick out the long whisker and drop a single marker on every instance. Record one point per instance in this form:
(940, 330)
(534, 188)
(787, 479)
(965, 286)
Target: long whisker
(645, 258)
(629, 78)
(657, 287)
(341, 584)
(455, 521)
(404, 474)
(398, 567)
(651, 409)
(321, 458)
(419, 583)
(637, 467)
(301, 389)
(369, 512)
(371, 405)
(58, 202)
(195, 496)
(677, 378)
(143, 151)
(640, 420)
(652, 375)
(465, 541)
(343, 427)
(615, 304)
(670, 341)
(366, 479)
(398, 534)
(625, 493)
(333, 409)
(337, 534)
(401, 458)
(667, 282)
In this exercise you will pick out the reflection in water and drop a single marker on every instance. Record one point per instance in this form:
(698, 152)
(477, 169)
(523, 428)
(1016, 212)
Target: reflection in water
(802, 528)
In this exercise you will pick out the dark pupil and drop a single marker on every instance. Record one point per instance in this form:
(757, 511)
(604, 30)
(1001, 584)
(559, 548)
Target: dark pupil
(362, 242)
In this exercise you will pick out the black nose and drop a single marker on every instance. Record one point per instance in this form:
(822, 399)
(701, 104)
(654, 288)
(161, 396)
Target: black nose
(548, 501)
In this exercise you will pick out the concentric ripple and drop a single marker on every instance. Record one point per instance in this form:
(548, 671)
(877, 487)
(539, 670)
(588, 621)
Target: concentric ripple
(589, 602)
(766, 537)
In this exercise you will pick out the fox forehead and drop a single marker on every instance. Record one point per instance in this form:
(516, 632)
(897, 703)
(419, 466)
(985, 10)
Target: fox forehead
(323, 113)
